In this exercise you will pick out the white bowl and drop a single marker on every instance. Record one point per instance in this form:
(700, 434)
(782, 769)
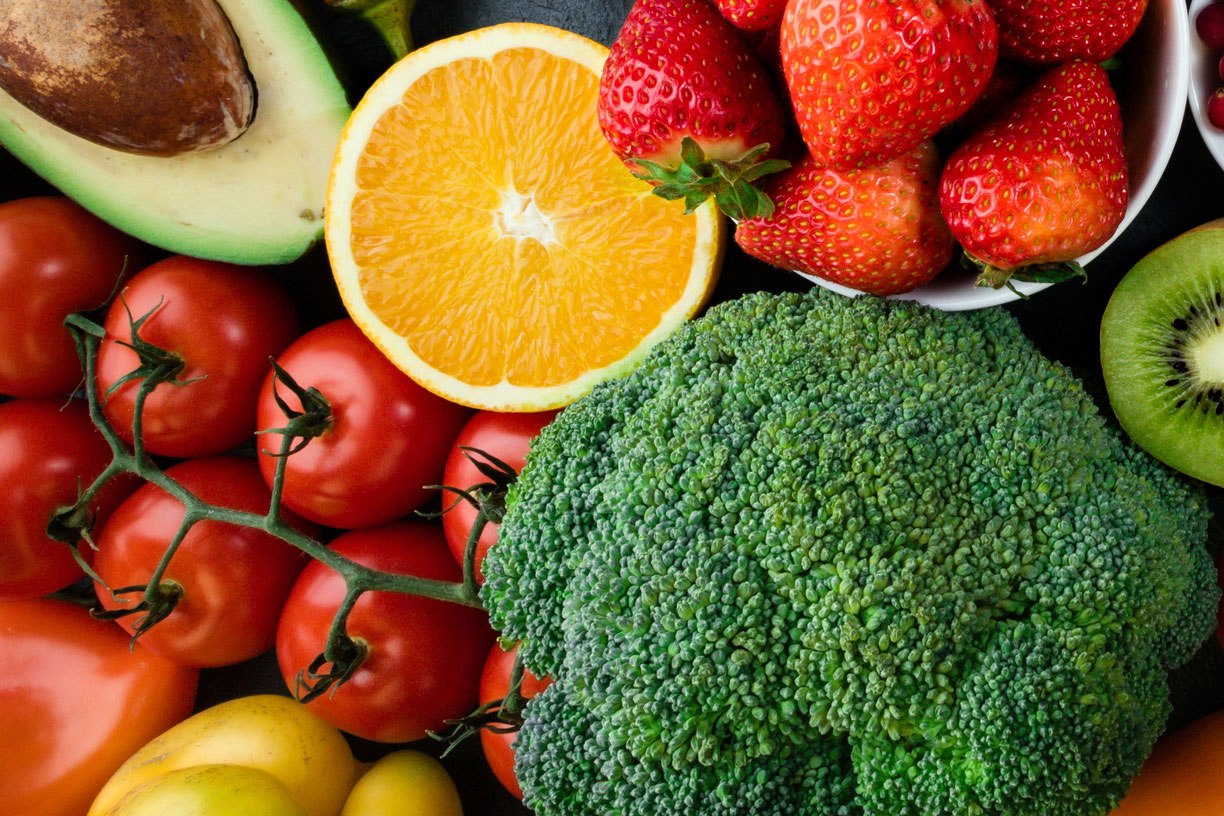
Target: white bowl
(1151, 86)
(1204, 79)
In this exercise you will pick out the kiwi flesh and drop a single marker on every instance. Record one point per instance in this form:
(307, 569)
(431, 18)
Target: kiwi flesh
(1162, 353)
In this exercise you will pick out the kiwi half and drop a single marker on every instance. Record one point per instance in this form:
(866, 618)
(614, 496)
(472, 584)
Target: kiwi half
(1162, 352)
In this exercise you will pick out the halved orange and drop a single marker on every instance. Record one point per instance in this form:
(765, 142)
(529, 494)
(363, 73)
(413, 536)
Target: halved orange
(485, 237)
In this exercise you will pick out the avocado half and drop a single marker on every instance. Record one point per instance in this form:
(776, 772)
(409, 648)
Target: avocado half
(256, 200)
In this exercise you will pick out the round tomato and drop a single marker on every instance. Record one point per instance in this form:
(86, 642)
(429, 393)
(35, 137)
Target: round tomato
(75, 702)
(387, 440)
(49, 449)
(234, 579)
(495, 685)
(424, 657)
(1184, 776)
(502, 436)
(224, 322)
(56, 258)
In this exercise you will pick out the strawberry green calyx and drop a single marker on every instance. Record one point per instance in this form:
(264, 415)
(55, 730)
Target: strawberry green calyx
(699, 177)
(388, 17)
(996, 278)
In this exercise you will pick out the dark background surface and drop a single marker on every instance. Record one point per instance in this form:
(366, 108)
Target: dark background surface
(1064, 321)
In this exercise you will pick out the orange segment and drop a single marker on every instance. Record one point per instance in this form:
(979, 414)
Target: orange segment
(484, 235)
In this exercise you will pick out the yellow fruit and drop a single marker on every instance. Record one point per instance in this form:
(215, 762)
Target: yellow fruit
(273, 734)
(485, 237)
(405, 783)
(210, 790)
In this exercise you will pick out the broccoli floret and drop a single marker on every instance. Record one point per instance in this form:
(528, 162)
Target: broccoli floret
(833, 556)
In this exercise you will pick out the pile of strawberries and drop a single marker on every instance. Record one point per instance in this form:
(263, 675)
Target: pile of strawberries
(840, 177)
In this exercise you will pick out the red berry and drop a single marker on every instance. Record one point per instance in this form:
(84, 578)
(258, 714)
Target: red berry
(1050, 32)
(1046, 181)
(1215, 109)
(1220, 69)
(871, 80)
(1210, 26)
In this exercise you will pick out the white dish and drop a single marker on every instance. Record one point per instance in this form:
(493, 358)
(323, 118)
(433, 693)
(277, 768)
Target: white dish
(1204, 67)
(1151, 84)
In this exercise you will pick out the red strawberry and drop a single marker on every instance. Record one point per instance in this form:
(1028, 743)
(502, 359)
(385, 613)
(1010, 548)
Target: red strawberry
(876, 229)
(1042, 184)
(679, 71)
(1050, 32)
(872, 78)
(753, 15)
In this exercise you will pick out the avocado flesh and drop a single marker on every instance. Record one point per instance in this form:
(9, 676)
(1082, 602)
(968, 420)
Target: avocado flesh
(258, 199)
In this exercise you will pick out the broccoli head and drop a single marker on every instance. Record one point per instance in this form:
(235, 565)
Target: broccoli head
(828, 556)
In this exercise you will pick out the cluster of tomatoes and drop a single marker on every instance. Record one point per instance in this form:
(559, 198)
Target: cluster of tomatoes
(240, 591)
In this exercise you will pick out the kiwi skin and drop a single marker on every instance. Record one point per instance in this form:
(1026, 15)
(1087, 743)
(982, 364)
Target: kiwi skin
(1163, 324)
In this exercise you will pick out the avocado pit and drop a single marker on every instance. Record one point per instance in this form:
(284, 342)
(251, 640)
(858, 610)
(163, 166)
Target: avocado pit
(142, 76)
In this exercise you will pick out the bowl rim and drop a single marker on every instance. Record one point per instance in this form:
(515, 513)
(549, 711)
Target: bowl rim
(1165, 140)
(1195, 93)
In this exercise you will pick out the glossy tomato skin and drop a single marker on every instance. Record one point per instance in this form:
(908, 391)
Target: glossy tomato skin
(495, 685)
(388, 439)
(425, 656)
(504, 436)
(1184, 776)
(48, 449)
(234, 579)
(56, 258)
(75, 702)
(225, 322)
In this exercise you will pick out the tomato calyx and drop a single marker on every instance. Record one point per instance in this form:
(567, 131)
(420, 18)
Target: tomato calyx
(159, 599)
(313, 420)
(489, 500)
(504, 716)
(342, 654)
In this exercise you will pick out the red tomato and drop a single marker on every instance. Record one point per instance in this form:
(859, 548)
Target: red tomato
(49, 449)
(225, 322)
(234, 579)
(495, 685)
(75, 703)
(424, 655)
(55, 259)
(387, 441)
(503, 436)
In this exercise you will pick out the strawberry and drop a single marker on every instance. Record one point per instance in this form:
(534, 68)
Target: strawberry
(870, 79)
(1043, 183)
(1050, 32)
(876, 229)
(752, 15)
(679, 71)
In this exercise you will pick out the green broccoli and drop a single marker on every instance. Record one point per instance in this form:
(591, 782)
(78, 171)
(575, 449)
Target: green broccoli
(822, 556)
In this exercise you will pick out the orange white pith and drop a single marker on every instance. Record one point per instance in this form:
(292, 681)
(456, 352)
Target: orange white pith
(485, 237)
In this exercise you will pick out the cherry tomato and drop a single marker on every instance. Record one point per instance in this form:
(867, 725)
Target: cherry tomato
(387, 441)
(49, 449)
(224, 322)
(75, 702)
(424, 656)
(56, 258)
(495, 685)
(234, 579)
(1184, 776)
(503, 436)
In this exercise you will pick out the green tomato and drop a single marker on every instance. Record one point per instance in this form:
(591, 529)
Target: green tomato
(211, 790)
(405, 783)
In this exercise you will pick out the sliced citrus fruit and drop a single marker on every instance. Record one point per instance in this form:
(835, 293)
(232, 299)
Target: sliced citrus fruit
(485, 237)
